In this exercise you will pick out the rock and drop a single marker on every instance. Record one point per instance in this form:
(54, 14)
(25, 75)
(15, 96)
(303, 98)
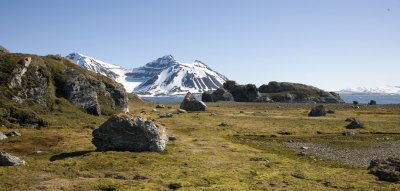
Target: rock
(355, 124)
(154, 110)
(386, 170)
(317, 111)
(348, 133)
(304, 148)
(174, 186)
(350, 119)
(331, 111)
(80, 91)
(355, 102)
(9, 160)
(372, 102)
(171, 138)
(220, 94)
(2, 136)
(242, 93)
(223, 124)
(13, 134)
(303, 153)
(166, 115)
(125, 133)
(158, 106)
(190, 103)
(182, 111)
(19, 72)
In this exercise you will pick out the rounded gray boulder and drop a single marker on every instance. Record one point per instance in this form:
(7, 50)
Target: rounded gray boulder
(126, 133)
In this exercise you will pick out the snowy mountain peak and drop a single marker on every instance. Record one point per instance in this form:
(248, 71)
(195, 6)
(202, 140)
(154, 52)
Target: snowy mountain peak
(377, 90)
(163, 76)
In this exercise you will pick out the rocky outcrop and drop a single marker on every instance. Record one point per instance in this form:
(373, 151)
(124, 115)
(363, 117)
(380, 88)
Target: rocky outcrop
(19, 71)
(317, 111)
(386, 170)
(125, 133)
(79, 90)
(9, 160)
(220, 94)
(295, 92)
(242, 93)
(85, 91)
(190, 103)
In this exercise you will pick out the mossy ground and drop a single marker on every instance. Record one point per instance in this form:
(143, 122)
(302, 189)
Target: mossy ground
(245, 155)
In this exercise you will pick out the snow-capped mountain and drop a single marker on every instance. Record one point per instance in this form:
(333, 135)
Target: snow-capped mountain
(378, 90)
(163, 76)
(112, 71)
(179, 78)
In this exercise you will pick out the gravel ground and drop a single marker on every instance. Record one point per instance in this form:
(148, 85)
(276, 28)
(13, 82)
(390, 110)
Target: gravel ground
(350, 156)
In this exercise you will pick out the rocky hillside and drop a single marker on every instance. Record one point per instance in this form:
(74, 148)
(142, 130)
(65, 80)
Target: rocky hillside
(30, 84)
(271, 92)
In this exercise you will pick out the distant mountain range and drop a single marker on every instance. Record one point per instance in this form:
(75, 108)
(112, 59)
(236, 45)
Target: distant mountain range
(163, 76)
(378, 90)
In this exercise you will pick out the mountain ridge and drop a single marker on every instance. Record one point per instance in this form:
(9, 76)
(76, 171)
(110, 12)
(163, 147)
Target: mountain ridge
(387, 89)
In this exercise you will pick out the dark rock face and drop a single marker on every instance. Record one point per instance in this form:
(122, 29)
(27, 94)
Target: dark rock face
(190, 103)
(125, 133)
(242, 93)
(386, 170)
(317, 111)
(80, 91)
(220, 94)
(355, 124)
(9, 160)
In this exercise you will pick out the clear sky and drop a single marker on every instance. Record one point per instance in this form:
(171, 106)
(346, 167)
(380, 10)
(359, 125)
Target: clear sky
(329, 44)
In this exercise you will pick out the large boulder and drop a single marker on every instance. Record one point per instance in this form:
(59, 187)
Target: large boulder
(9, 160)
(354, 124)
(386, 170)
(317, 111)
(125, 133)
(242, 93)
(190, 103)
(220, 94)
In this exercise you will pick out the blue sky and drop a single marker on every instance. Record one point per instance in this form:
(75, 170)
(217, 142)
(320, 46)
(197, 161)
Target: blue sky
(329, 44)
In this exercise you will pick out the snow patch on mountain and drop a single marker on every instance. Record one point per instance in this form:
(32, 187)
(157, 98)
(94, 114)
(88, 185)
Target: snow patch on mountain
(377, 90)
(110, 70)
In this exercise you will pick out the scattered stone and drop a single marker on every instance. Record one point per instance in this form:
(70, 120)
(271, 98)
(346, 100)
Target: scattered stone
(331, 111)
(386, 169)
(171, 138)
(304, 148)
(348, 133)
(355, 102)
(2, 136)
(125, 133)
(241, 111)
(190, 103)
(212, 114)
(372, 102)
(174, 186)
(9, 160)
(356, 107)
(38, 152)
(166, 115)
(284, 133)
(182, 111)
(223, 124)
(355, 124)
(350, 119)
(30, 125)
(160, 106)
(317, 111)
(303, 153)
(13, 134)
(154, 110)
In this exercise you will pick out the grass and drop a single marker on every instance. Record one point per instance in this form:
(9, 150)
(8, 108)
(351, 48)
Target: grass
(246, 155)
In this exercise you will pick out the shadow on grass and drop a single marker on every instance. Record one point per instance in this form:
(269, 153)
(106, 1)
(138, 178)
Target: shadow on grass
(69, 155)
